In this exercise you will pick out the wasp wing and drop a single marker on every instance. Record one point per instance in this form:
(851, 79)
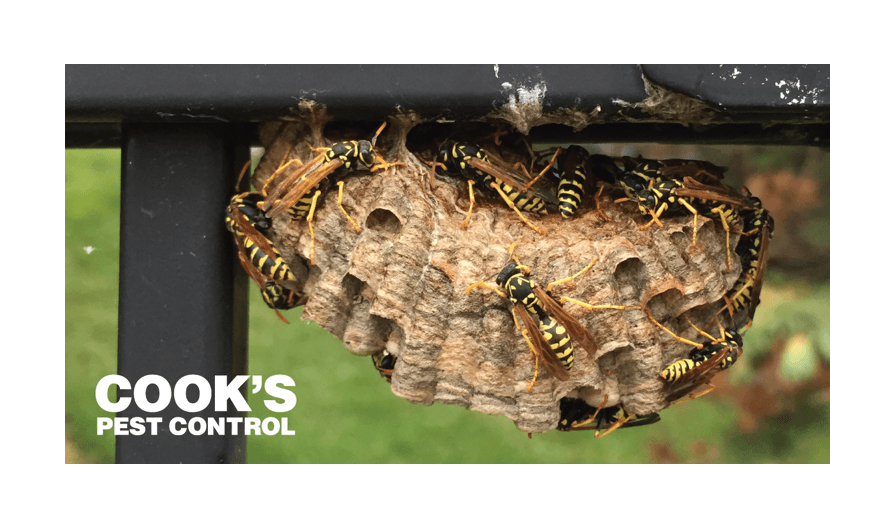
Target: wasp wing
(678, 168)
(643, 420)
(295, 190)
(758, 279)
(695, 189)
(545, 353)
(578, 332)
(706, 367)
(287, 182)
(509, 177)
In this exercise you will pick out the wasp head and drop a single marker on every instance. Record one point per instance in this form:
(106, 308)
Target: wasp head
(365, 155)
(646, 201)
(734, 335)
(508, 272)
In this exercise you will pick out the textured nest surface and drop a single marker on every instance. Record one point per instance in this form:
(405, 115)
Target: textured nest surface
(401, 284)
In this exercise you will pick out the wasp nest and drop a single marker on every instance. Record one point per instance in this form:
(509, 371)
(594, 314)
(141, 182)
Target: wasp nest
(400, 284)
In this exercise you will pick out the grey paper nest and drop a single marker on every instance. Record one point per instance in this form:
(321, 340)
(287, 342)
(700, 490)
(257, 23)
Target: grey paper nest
(400, 285)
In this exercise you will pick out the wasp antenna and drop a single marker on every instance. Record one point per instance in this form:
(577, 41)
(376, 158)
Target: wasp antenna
(376, 135)
(242, 173)
(277, 311)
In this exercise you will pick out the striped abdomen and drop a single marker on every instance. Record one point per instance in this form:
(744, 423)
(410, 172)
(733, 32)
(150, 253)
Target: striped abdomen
(559, 340)
(523, 201)
(571, 191)
(678, 369)
(273, 267)
(741, 292)
(278, 297)
(455, 156)
(728, 212)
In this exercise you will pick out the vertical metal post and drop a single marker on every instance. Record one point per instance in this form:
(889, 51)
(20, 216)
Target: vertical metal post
(182, 310)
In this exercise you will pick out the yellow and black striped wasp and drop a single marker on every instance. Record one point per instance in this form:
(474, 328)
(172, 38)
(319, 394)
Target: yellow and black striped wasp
(576, 414)
(292, 193)
(753, 252)
(672, 186)
(716, 201)
(546, 326)
(579, 173)
(385, 362)
(722, 352)
(637, 175)
(472, 162)
(260, 260)
(643, 183)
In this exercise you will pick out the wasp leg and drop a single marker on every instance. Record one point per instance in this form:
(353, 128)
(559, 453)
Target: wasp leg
(310, 223)
(655, 215)
(510, 203)
(383, 165)
(615, 425)
(316, 149)
(729, 303)
(525, 269)
(696, 217)
(720, 212)
(481, 283)
(357, 228)
(692, 396)
(501, 130)
(432, 173)
(546, 168)
(242, 173)
(574, 276)
(703, 333)
(585, 305)
(594, 417)
(597, 198)
(666, 330)
(471, 203)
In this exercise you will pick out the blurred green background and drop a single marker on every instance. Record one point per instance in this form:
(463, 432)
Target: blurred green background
(772, 407)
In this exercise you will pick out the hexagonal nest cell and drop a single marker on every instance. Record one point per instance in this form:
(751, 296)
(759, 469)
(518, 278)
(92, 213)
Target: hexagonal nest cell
(400, 284)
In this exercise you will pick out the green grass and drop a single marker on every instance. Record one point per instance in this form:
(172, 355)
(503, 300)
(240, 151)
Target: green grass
(346, 413)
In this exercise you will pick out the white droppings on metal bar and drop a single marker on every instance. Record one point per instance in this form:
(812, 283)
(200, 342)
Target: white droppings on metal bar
(533, 94)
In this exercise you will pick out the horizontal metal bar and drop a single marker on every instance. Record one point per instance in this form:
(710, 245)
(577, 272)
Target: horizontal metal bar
(105, 135)
(244, 93)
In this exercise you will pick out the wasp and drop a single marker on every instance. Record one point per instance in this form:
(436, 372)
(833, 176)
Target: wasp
(385, 362)
(576, 414)
(469, 161)
(721, 352)
(293, 192)
(579, 173)
(546, 326)
(715, 201)
(637, 176)
(702, 359)
(258, 257)
(753, 252)
(643, 183)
